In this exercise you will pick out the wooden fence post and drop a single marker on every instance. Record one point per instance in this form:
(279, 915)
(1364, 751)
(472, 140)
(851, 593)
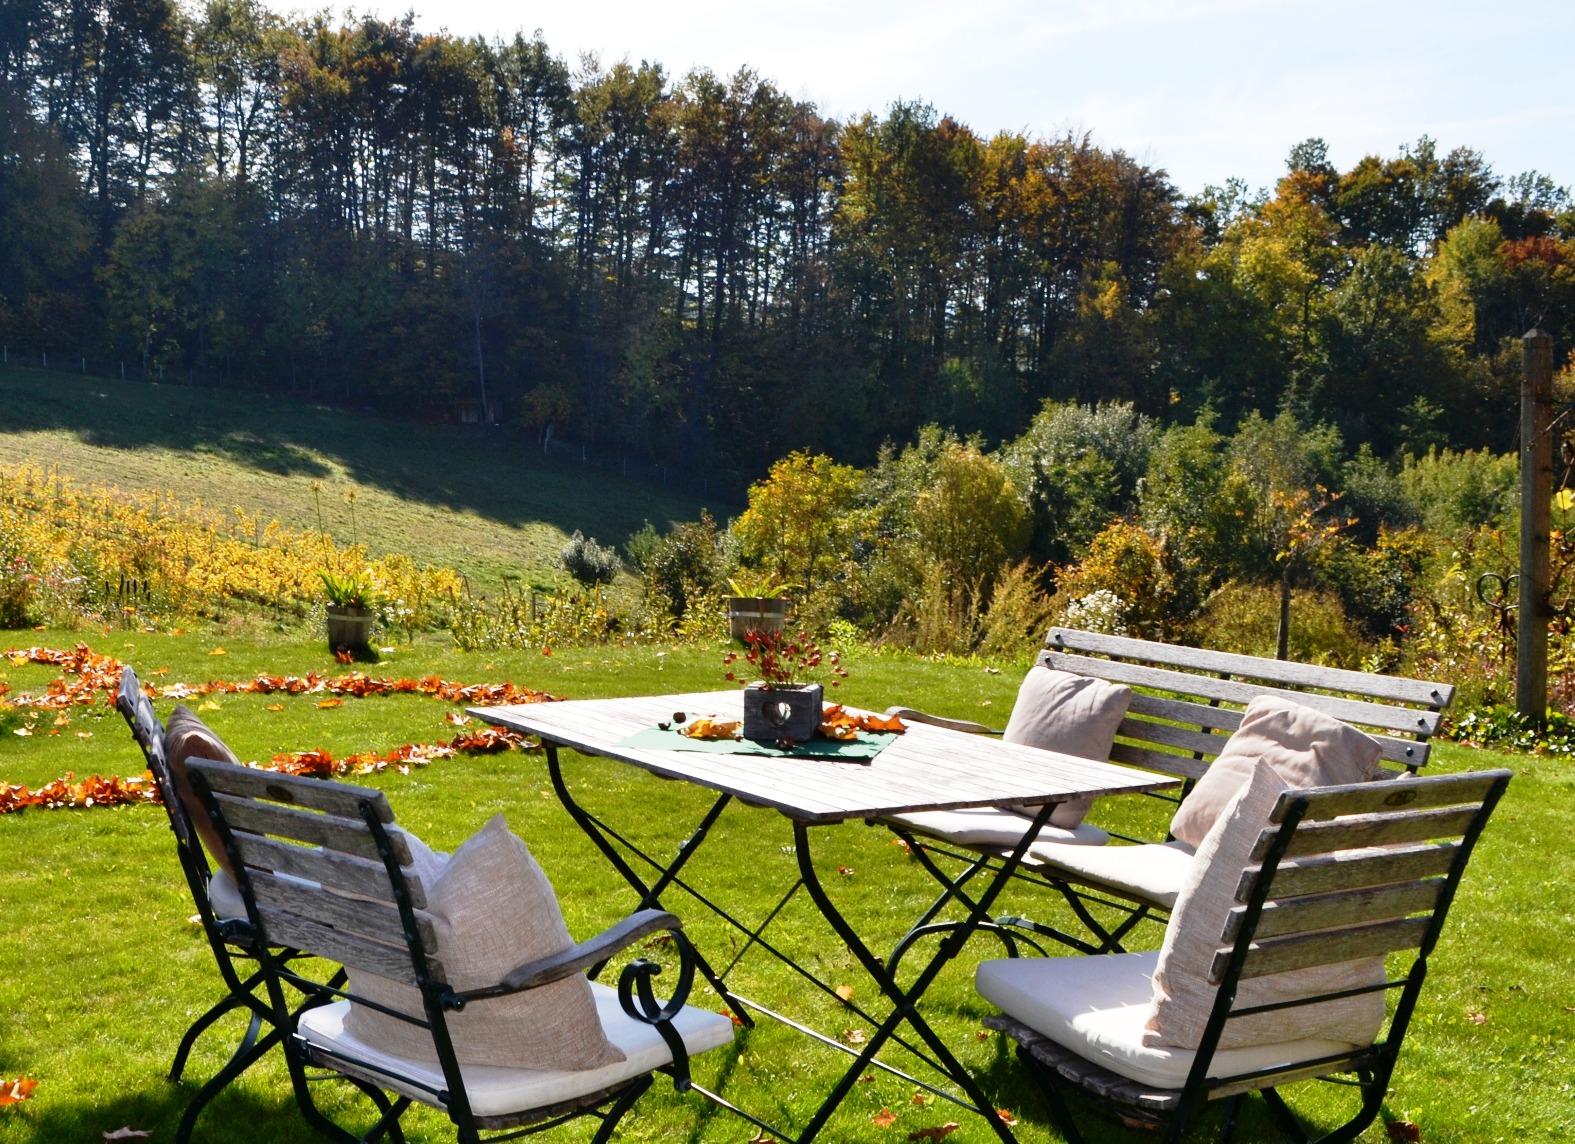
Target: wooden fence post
(1536, 484)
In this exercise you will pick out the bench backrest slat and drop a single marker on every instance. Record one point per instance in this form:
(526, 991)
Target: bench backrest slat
(1411, 692)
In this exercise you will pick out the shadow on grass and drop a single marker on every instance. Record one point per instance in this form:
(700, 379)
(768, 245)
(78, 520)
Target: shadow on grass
(490, 472)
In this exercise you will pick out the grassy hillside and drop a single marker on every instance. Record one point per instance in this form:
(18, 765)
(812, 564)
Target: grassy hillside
(481, 500)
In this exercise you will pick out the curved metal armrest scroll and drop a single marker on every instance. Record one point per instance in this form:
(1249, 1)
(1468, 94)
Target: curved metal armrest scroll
(910, 715)
(575, 959)
(639, 1000)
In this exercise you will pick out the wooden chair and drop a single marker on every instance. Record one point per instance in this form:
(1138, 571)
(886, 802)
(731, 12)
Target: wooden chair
(1186, 703)
(230, 935)
(321, 866)
(1341, 873)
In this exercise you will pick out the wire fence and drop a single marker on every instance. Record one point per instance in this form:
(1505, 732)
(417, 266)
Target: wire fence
(718, 488)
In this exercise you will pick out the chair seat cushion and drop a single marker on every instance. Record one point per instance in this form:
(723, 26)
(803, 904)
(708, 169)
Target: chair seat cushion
(1097, 1006)
(495, 1091)
(1151, 873)
(993, 826)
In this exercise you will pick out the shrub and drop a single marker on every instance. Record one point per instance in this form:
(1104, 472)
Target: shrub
(588, 562)
(1019, 612)
(971, 519)
(689, 562)
(1455, 491)
(1246, 617)
(1131, 565)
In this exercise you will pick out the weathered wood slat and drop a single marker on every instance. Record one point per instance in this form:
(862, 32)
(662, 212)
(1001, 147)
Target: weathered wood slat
(349, 950)
(339, 799)
(1224, 720)
(1408, 720)
(1331, 947)
(1366, 830)
(325, 867)
(1166, 762)
(306, 826)
(1395, 687)
(375, 920)
(1324, 803)
(1340, 908)
(1355, 870)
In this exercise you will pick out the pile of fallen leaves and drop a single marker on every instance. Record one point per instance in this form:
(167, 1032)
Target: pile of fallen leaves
(89, 678)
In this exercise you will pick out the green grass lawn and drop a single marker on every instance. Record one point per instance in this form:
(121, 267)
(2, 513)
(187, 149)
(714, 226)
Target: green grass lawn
(103, 970)
(481, 500)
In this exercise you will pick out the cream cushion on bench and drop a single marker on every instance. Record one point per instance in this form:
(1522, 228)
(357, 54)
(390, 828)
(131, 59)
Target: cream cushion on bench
(1054, 711)
(1151, 873)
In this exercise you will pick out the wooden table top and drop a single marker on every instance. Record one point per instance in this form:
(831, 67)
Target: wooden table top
(925, 768)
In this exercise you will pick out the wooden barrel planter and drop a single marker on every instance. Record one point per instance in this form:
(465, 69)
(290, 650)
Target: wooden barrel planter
(755, 613)
(349, 628)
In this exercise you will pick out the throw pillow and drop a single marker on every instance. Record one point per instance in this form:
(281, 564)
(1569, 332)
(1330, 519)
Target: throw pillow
(1183, 996)
(188, 737)
(1306, 748)
(492, 909)
(1073, 714)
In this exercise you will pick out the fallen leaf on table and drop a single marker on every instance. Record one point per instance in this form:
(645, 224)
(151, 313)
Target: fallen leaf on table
(885, 1118)
(710, 727)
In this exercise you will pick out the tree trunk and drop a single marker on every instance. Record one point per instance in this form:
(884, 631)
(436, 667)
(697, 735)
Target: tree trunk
(1282, 642)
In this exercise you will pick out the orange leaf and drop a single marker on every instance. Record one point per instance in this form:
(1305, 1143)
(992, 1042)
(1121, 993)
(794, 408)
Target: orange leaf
(218, 651)
(325, 704)
(939, 1132)
(885, 1118)
(275, 707)
(1404, 1132)
(710, 727)
(845, 993)
(16, 1091)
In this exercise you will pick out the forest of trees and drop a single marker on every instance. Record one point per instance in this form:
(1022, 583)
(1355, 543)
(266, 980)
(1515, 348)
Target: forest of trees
(703, 268)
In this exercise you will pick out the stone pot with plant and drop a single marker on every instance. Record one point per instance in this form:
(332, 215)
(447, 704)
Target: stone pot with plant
(758, 603)
(352, 609)
(784, 704)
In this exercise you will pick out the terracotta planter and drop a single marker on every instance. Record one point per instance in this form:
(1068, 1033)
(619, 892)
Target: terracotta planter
(349, 628)
(755, 613)
(772, 714)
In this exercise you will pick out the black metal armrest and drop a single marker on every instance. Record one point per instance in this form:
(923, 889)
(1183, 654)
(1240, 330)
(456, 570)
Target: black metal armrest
(968, 725)
(593, 951)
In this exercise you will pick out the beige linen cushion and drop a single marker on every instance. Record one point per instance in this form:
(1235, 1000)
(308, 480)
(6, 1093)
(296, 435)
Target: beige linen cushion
(188, 737)
(1306, 748)
(1073, 714)
(1183, 996)
(492, 909)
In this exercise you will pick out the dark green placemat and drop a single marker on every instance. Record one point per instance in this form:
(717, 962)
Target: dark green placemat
(860, 750)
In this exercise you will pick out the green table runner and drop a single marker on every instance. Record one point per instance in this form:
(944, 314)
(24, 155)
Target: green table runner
(860, 750)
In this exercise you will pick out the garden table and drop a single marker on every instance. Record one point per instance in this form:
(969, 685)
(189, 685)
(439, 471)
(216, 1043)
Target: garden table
(925, 768)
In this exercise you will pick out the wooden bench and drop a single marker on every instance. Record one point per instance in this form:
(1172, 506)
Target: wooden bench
(1186, 702)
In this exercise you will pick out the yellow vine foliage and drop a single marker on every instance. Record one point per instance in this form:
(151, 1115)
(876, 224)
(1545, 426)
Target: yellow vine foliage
(102, 549)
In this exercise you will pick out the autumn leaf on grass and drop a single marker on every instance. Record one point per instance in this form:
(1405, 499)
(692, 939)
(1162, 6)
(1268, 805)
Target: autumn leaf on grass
(207, 705)
(939, 1132)
(845, 994)
(325, 704)
(1476, 1017)
(62, 720)
(733, 1017)
(1007, 1116)
(16, 1091)
(218, 651)
(922, 1099)
(853, 1037)
(457, 718)
(275, 707)
(885, 1118)
(1404, 1132)
(127, 1133)
(845, 871)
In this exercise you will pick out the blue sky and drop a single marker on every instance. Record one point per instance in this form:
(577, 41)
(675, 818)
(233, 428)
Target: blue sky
(1206, 89)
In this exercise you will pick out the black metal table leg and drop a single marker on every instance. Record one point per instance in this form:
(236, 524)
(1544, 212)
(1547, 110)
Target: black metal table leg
(905, 1002)
(650, 894)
